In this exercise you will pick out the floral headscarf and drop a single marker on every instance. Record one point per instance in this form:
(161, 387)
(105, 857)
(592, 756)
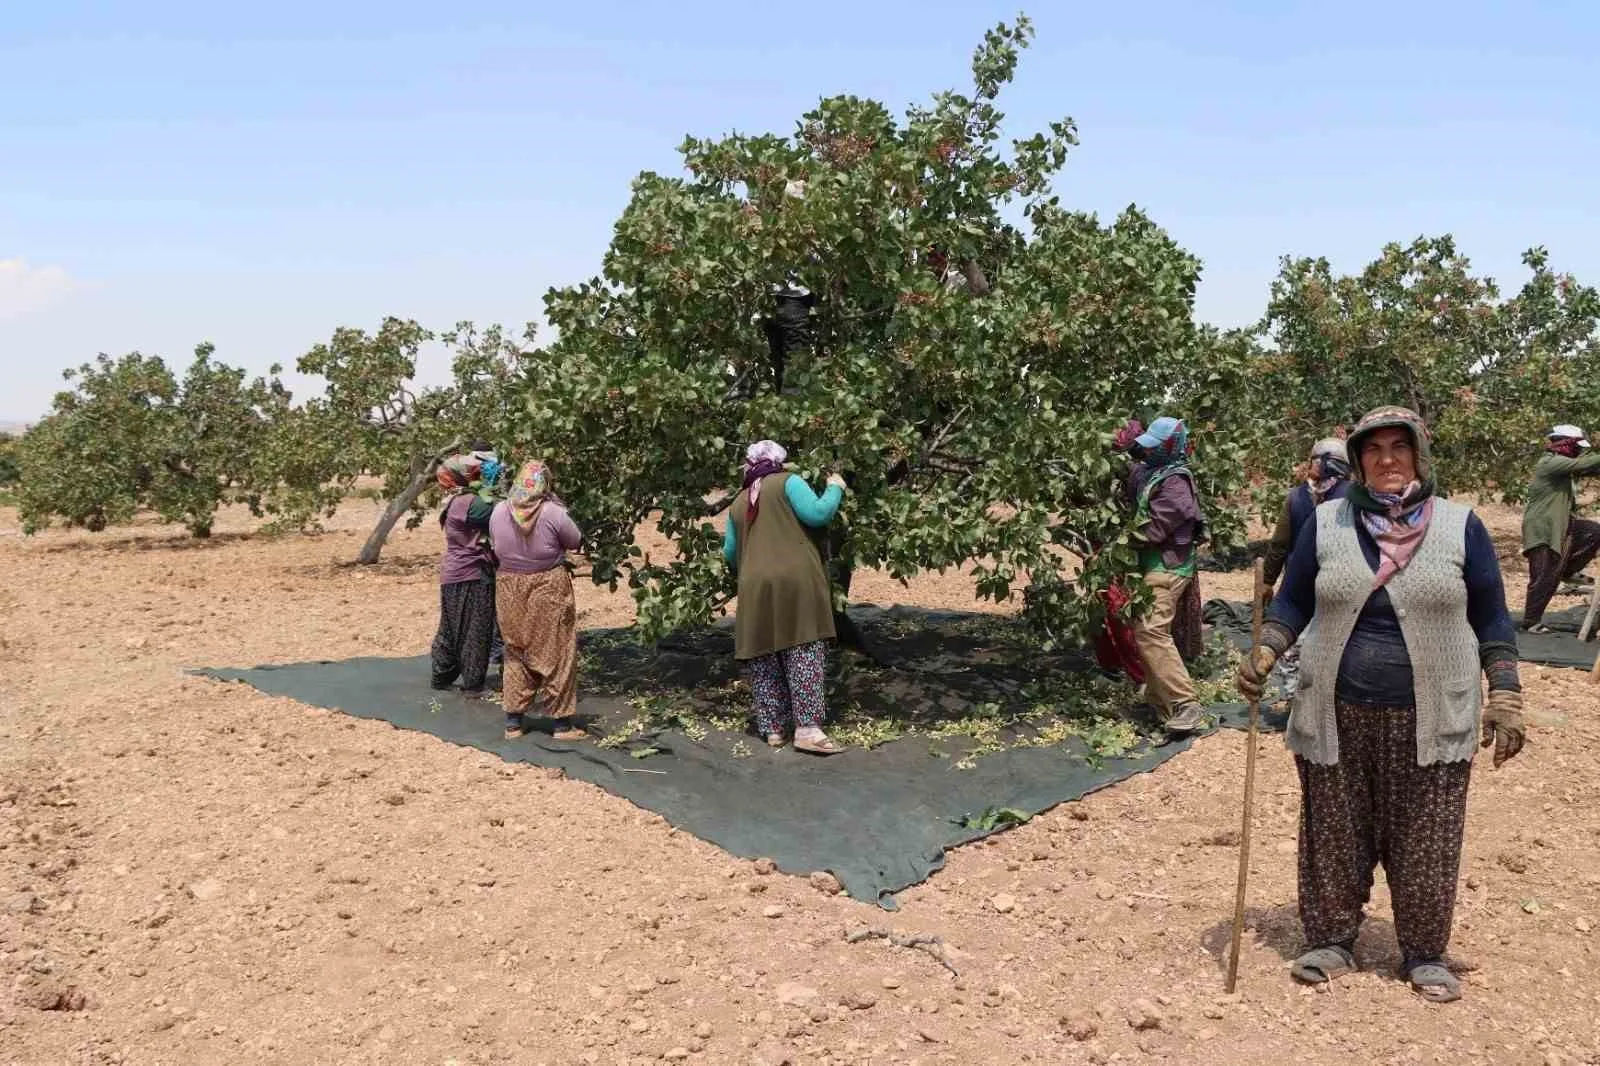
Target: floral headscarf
(458, 472)
(762, 459)
(534, 485)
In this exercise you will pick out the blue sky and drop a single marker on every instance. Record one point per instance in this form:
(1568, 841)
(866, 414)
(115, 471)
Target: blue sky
(255, 175)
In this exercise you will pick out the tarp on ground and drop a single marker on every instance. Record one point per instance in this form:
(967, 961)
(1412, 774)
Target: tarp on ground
(878, 819)
(1560, 648)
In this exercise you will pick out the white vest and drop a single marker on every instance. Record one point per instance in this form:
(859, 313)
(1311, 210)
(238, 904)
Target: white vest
(1430, 602)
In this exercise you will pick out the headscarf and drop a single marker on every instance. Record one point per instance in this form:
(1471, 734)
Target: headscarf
(1330, 464)
(489, 465)
(458, 472)
(1398, 522)
(762, 459)
(1567, 440)
(1166, 443)
(534, 485)
(1127, 435)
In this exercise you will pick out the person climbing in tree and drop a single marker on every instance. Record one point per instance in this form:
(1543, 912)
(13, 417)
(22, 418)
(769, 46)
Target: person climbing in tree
(1327, 478)
(1557, 543)
(1169, 526)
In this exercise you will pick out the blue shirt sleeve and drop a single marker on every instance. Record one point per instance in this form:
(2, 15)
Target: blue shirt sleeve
(1486, 590)
(812, 510)
(1301, 507)
(1296, 600)
(730, 543)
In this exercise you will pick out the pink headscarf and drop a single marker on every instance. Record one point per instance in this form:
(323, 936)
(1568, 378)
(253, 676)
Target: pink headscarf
(1398, 531)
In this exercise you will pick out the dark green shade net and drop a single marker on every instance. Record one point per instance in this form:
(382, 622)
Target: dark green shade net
(879, 820)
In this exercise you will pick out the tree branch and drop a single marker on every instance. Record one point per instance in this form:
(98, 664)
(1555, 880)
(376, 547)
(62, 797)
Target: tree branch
(717, 506)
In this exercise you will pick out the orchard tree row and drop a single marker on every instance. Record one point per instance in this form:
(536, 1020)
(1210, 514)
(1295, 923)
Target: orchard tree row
(903, 299)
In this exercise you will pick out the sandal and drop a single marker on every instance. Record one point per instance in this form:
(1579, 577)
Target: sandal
(775, 740)
(570, 733)
(1539, 630)
(1321, 965)
(825, 746)
(516, 728)
(1434, 982)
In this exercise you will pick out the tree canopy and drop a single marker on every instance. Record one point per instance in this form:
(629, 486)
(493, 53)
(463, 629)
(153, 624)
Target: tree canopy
(129, 435)
(1418, 327)
(970, 346)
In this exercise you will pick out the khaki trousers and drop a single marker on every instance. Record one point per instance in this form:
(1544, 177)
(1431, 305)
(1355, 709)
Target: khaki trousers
(1167, 682)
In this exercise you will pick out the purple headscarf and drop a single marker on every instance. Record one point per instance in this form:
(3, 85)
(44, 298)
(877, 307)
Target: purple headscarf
(761, 459)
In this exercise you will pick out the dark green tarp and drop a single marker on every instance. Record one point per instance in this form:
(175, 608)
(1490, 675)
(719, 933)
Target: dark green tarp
(1560, 648)
(879, 820)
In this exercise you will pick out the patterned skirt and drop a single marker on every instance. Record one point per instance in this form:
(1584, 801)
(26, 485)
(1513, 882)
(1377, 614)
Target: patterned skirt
(539, 624)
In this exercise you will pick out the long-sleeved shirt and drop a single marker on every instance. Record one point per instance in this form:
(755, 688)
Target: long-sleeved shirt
(1297, 510)
(544, 547)
(465, 519)
(812, 510)
(1551, 498)
(1172, 514)
(1376, 667)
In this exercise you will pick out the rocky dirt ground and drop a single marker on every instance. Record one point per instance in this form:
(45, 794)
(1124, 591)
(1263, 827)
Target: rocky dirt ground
(196, 873)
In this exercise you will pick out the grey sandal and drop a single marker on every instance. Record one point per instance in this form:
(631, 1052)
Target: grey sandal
(1434, 982)
(1321, 965)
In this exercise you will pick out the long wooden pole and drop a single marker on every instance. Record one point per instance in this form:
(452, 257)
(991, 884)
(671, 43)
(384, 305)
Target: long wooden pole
(1249, 786)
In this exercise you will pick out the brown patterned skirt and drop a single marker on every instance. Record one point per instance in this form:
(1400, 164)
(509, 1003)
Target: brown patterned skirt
(539, 624)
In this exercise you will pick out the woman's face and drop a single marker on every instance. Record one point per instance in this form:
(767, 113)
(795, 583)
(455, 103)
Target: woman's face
(1389, 460)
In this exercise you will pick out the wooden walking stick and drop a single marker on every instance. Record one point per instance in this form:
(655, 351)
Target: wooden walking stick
(1249, 785)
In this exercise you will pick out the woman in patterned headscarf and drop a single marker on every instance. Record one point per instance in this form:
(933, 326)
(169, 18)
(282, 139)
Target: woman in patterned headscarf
(1395, 596)
(538, 611)
(461, 646)
(785, 614)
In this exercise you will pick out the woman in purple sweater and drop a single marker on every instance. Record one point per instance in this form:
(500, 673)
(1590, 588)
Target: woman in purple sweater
(532, 534)
(466, 581)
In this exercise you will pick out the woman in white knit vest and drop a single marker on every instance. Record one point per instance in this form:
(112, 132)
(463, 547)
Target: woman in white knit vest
(1396, 599)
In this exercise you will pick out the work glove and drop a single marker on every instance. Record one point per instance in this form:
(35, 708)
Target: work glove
(1502, 725)
(1251, 678)
(1254, 669)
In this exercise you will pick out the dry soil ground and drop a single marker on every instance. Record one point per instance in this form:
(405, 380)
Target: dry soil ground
(213, 875)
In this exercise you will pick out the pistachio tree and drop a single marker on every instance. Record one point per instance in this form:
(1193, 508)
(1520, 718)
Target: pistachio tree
(129, 435)
(969, 346)
(373, 416)
(1419, 327)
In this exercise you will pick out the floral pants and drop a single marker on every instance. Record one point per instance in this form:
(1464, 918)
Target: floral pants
(789, 688)
(1376, 805)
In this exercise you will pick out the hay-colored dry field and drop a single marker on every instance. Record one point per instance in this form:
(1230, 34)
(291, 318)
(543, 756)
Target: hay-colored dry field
(231, 878)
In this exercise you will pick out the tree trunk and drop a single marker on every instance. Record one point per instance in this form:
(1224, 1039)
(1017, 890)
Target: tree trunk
(421, 475)
(840, 573)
